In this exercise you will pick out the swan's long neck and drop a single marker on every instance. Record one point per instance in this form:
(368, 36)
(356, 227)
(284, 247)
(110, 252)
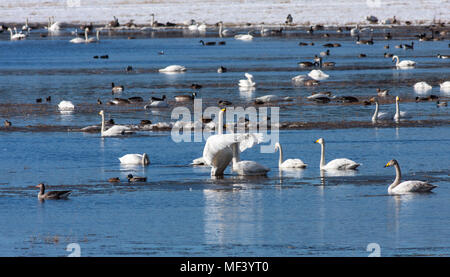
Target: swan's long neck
(396, 60)
(11, 33)
(86, 34)
(103, 124)
(144, 158)
(280, 160)
(98, 35)
(322, 155)
(397, 109)
(375, 115)
(398, 177)
(220, 29)
(220, 127)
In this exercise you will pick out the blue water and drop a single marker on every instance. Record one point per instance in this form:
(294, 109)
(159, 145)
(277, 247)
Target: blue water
(180, 210)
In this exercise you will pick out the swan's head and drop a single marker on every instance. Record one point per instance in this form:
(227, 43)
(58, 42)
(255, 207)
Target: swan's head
(41, 185)
(391, 163)
(320, 141)
(101, 112)
(397, 98)
(277, 146)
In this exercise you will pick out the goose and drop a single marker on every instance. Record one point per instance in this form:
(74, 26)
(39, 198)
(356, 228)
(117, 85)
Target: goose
(246, 168)
(328, 64)
(289, 163)
(136, 159)
(81, 40)
(443, 56)
(66, 106)
(48, 98)
(247, 83)
(119, 101)
(379, 115)
(438, 104)
(348, 99)
(368, 42)
(306, 64)
(182, 98)
(398, 114)
(52, 195)
(224, 32)
(135, 99)
(246, 37)
(289, 19)
(116, 89)
(133, 179)
(337, 164)
(404, 63)
(408, 46)
(422, 86)
(173, 68)
(388, 55)
(398, 187)
(221, 69)
(382, 92)
(157, 103)
(325, 53)
(318, 74)
(114, 23)
(388, 36)
(16, 36)
(303, 44)
(115, 130)
(196, 86)
(153, 98)
(209, 43)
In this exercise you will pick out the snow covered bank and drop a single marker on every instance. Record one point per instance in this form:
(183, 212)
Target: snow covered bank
(328, 12)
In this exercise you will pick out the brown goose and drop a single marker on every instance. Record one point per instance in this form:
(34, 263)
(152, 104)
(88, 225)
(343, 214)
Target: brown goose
(53, 195)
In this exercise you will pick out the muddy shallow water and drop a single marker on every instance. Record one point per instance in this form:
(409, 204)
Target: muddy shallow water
(180, 210)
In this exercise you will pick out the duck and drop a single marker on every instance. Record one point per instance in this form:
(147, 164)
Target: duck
(208, 43)
(119, 101)
(52, 195)
(306, 64)
(382, 92)
(221, 69)
(157, 103)
(368, 42)
(196, 86)
(289, 163)
(325, 53)
(135, 99)
(114, 180)
(443, 56)
(116, 89)
(408, 46)
(7, 123)
(248, 82)
(336, 164)
(182, 98)
(135, 159)
(153, 98)
(438, 104)
(398, 187)
(134, 179)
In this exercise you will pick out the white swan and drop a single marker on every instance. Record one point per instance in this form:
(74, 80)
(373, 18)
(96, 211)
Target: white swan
(92, 39)
(135, 159)
(247, 83)
(422, 86)
(202, 27)
(53, 26)
(201, 160)
(289, 163)
(218, 153)
(404, 63)
(298, 79)
(339, 164)
(445, 85)
(80, 40)
(408, 186)
(16, 36)
(246, 37)
(354, 31)
(225, 32)
(246, 168)
(318, 74)
(380, 115)
(398, 114)
(66, 106)
(115, 130)
(173, 68)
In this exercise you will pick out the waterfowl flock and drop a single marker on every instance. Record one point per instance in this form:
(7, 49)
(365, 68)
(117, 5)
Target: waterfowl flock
(224, 149)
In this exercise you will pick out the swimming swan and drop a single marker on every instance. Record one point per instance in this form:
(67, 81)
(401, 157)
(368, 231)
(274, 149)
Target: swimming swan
(380, 115)
(289, 163)
(408, 186)
(246, 37)
(247, 83)
(16, 36)
(173, 68)
(398, 114)
(339, 164)
(404, 63)
(422, 86)
(115, 130)
(246, 168)
(135, 159)
(66, 106)
(318, 74)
